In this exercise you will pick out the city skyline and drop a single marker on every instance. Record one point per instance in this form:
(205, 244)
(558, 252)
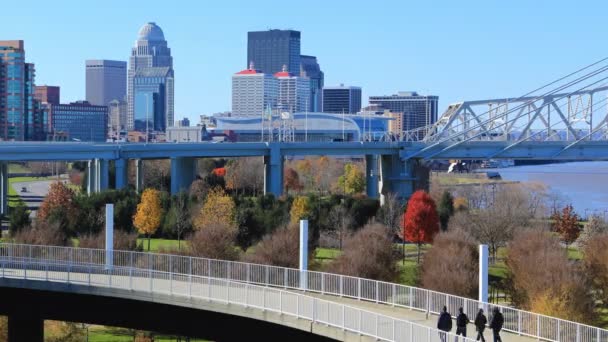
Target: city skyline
(501, 58)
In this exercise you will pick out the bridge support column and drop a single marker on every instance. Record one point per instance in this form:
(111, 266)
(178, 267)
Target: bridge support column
(371, 176)
(91, 177)
(397, 176)
(273, 172)
(24, 327)
(121, 170)
(4, 188)
(183, 172)
(139, 175)
(103, 174)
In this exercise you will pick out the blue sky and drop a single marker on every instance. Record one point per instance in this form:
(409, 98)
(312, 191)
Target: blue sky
(459, 50)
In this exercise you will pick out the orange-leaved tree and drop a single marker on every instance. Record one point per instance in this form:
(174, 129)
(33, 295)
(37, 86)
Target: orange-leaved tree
(218, 208)
(58, 197)
(566, 223)
(420, 222)
(148, 216)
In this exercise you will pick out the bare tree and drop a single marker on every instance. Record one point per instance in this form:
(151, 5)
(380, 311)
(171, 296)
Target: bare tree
(181, 207)
(390, 213)
(340, 222)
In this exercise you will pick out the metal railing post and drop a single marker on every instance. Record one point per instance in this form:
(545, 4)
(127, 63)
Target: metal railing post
(285, 278)
(264, 299)
(90, 265)
(190, 277)
(248, 273)
(341, 286)
(358, 288)
(343, 317)
(171, 274)
(394, 294)
(428, 304)
(519, 322)
(150, 271)
(377, 292)
(537, 326)
(281, 302)
(578, 333)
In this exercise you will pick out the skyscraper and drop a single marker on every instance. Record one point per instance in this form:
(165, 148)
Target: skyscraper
(20, 118)
(47, 94)
(81, 121)
(416, 110)
(294, 92)
(106, 81)
(150, 85)
(310, 68)
(341, 99)
(253, 92)
(270, 50)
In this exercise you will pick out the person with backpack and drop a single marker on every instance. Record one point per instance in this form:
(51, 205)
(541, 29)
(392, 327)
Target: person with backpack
(461, 324)
(480, 325)
(444, 324)
(496, 325)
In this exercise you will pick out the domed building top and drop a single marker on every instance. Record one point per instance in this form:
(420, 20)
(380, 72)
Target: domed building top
(151, 31)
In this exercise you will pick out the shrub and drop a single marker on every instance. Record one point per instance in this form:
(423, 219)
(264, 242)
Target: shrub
(279, 248)
(215, 241)
(122, 241)
(19, 218)
(42, 234)
(595, 263)
(368, 254)
(451, 264)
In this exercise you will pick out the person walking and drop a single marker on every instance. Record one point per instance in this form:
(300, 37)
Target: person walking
(496, 325)
(461, 323)
(444, 324)
(480, 325)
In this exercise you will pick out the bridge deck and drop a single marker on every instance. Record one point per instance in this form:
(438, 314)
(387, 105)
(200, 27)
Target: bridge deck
(416, 316)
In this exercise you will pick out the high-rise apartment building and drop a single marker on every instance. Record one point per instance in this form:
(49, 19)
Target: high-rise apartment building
(81, 121)
(270, 50)
(21, 116)
(150, 85)
(47, 94)
(253, 92)
(416, 110)
(294, 92)
(310, 68)
(341, 99)
(106, 81)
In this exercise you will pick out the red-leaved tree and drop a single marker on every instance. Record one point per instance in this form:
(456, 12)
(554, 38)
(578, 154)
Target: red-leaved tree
(566, 223)
(420, 222)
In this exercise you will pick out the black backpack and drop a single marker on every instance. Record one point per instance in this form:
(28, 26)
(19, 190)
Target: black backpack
(462, 320)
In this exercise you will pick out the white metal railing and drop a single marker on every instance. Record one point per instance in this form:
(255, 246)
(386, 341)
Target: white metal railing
(80, 266)
(515, 321)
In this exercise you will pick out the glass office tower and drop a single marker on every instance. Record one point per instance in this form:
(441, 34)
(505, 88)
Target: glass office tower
(270, 50)
(150, 86)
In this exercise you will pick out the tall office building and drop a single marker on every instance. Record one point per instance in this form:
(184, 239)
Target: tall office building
(416, 110)
(117, 117)
(294, 92)
(310, 68)
(47, 94)
(150, 86)
(80, 121)
(105, 81)
(341, 99)
(17, 108)
(270, 50)
(253, 92)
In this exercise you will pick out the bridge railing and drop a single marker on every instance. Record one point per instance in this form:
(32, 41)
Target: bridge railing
(81, 267)
(515, 321)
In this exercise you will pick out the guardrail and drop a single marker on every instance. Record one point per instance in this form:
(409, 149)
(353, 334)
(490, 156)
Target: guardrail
(515, 321)
(84, 271)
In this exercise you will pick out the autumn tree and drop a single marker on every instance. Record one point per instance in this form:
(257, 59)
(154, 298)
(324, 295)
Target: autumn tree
(567, 224)
(300, 209)
(291, 179)
(216, 241)
(148, 216)
(199, 189)
(595, 263)
(445, 209)
(542, 279)
(218, 208)
(305, 170)
(58, 197)
(352, 181)
(279, 248)
(245, 174)
(451, 263)
(181, 211)
(420, 222)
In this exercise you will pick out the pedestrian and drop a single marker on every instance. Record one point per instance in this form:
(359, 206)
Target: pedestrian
(444, 324)
(496, 324)
(480, 325)
(461, 323)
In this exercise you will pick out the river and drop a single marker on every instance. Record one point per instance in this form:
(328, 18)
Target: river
(583, 184)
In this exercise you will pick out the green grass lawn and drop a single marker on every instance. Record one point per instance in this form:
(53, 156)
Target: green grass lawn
(110, 334)
(157, 244)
